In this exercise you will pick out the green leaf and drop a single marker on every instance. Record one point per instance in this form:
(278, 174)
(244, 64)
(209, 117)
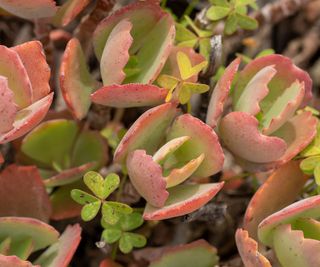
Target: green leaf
(224, 3)
(265, 52)
(185, 67)
(241, 10)
(316, 173)
(111, 235)
(95, 182)
(5, 246)
(90, 211)
(217, 12)
(197, 88)
(246, 22)
(131, 221)
(125, 244)
(136, 240)
(231, 24)
(184, 95)
(112, 182)
(167, 81)
(109, 214)
(120, 207)
(308, 165)
(189, 43)
(82, 197)
(205, 48)
(183, 34)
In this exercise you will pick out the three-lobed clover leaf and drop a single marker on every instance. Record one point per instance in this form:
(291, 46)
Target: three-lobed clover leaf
(121, 232)
(235, 14)
(101, 188)
(182, 88)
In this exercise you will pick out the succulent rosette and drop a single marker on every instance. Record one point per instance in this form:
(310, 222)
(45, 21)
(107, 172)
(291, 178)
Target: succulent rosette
(132, 46)
(24, 89)
(263, 130)
(160, 151)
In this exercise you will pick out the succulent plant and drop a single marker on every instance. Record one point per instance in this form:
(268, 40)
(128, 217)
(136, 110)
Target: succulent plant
(263, 131)
(25, 92)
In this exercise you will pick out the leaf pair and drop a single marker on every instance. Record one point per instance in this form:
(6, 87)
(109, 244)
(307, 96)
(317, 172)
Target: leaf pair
(235, 13)
(102, 188)
(120, 232)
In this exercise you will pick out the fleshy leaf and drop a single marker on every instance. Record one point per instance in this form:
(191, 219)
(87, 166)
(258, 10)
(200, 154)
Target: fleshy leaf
(34, 60)
(30, 10)
(10, 261)
(220, 93)
(28, 118)
(169, 148)
(147, 132)
(60, 253)
(297, 137)
(5, 246)
(179, 175)
(287, 73)
(8, 109)
(115, 54)
(146, 176)
(68, 11)
(309, 226)
(129, 95)
(75, 80)
(283, 108)
(183, 199)
(248, 250)
(51, 142)
(202, 140)
(239, 131)
(309, 208)
(279, 190)
(18, 228)
(12, 68)
(292, 249)
(109, 263)
(255, 91)
(197, 253)
(185, 67)
(23, 194)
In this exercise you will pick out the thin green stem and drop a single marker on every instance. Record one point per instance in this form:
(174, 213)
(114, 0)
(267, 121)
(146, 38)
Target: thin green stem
(163, 3)
(114, 250)
(190, 8)
(123, 181)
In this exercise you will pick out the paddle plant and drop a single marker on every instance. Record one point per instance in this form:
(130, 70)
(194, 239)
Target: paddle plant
(150, 128)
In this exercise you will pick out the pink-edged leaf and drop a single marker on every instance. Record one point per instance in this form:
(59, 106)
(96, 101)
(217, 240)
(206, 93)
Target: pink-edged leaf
(69, 11)
(293, 249)
(256, 90)
(146, 176)
(183, 199)
(115, 54)
(197, 253)
(248, 250)
(220, 94)
(14, 261)
(142, 15)
(283, 108)
(34, 9)
(69, 176)
(109, 263)
(8, 109)
(61, 253)
(11, 67)
(171, 67)
(287, 73)
(75, 80)
(279, 190)
(307, 208)
(28, 118)
(202, 140)
(18, 228)
(34, 61)
(153, 35)
(147, 132)
(129, 95)
(239, 131)
(256, 167)
(179, 175)
(297, 137)
(63, 206)
(23, 194)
